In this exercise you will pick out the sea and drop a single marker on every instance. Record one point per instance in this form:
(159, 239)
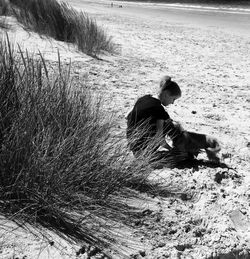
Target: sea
(240, 7)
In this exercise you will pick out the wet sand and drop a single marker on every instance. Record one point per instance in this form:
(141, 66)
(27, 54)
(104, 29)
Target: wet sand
(236, 22)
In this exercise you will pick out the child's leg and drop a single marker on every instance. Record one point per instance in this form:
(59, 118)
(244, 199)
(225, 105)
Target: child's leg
(171, 159)
(194, 142)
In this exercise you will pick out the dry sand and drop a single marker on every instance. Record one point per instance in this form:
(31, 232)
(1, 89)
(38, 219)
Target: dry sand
(209, 58)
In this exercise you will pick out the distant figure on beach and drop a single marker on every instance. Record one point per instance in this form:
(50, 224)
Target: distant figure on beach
(112, 4)
(148, 124)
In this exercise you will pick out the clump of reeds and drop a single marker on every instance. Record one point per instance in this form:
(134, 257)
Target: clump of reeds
(58, 157)
(62, 22)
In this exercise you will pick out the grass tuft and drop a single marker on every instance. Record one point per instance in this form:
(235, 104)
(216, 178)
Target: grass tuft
(59, 160)
(62, 22)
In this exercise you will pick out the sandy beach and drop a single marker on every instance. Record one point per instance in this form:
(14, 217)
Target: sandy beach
(211, 64)
(207, 53)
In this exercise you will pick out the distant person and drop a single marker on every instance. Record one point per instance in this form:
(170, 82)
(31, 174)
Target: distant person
(112, 4)
(148, 124)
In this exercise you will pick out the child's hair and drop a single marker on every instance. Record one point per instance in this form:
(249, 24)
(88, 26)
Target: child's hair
(171, 86)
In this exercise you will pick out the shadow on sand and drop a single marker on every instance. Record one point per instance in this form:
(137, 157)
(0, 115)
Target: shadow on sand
(237, 254)
(196, 163)
(171, 191)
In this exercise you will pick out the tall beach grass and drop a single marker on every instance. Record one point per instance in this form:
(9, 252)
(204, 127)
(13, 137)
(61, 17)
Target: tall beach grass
(61, 22)
(59, 162)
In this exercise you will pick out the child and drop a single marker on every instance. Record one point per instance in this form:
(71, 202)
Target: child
(148, 124)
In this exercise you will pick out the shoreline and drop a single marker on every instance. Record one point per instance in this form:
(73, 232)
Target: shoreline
(237, 23)
(225, 4)
(204, 8)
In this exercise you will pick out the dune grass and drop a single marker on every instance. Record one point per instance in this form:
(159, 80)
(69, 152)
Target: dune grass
(61, 22)
(58, 156)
